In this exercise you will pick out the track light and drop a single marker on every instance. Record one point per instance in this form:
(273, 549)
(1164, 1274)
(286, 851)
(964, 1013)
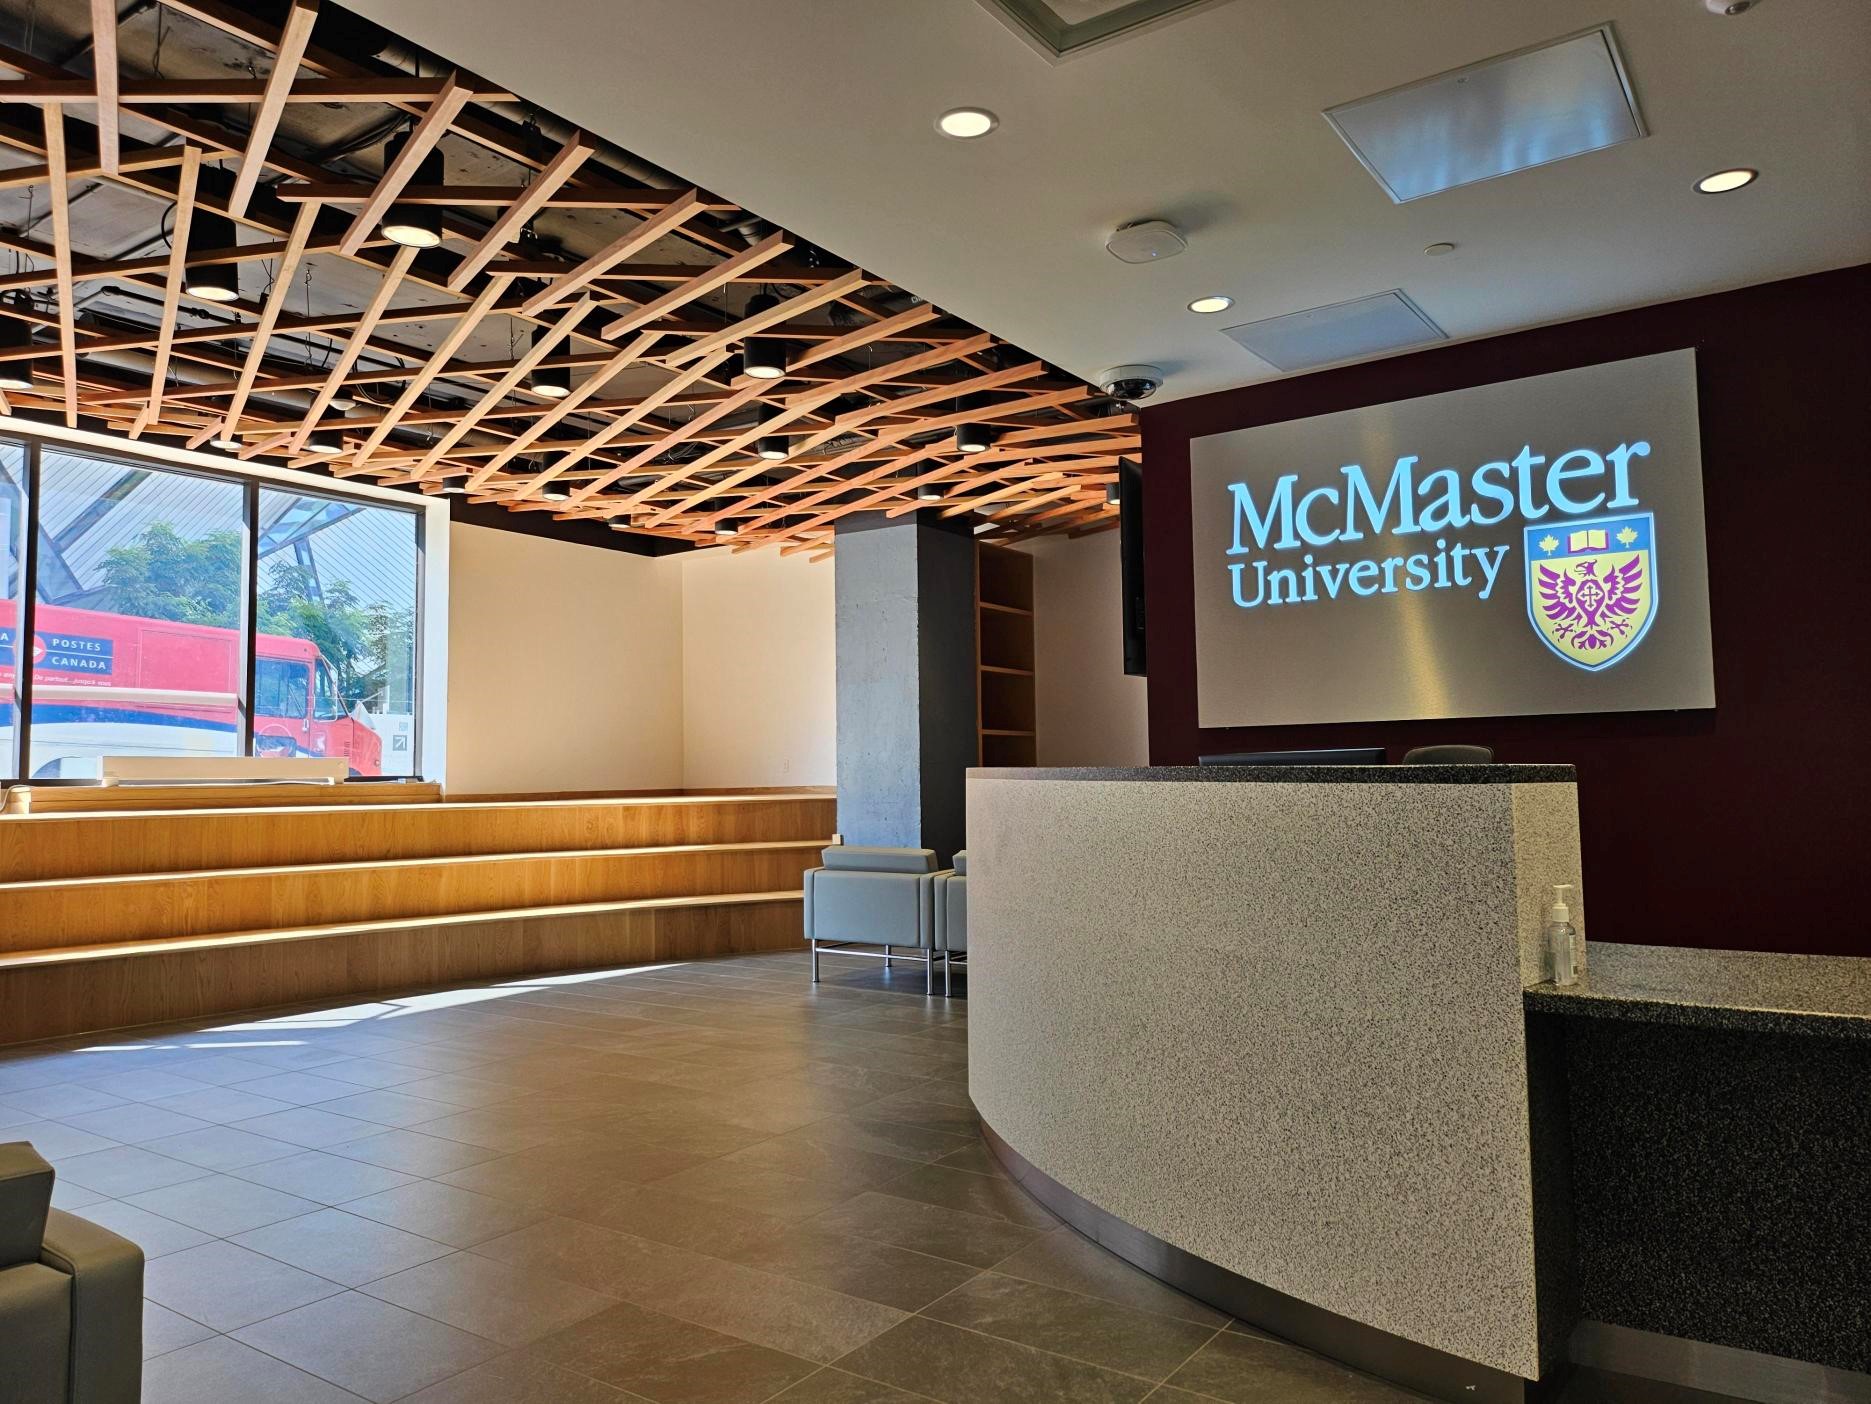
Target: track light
(227, 443)
(929, 492)
(1110, 497)
(16, 336)
(724, 530)
(217, 282)
(325, 441)
(415, 226)
(772, 447)
(554, 382)
(762, 357)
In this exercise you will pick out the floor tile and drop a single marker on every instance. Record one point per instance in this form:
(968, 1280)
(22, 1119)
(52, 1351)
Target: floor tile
(832, 1386)
(222, 1147)
(220, 1069)
(59, 1100)
(222, 1104)
(1245, 1369)
(221, 1204)
(1066, 1323)
(155, 1235)
(670, 1361)
(844, 1167)
(54, 1139)
(388, 1106)
(502, 1301)
(308, 1126)
(70, 1197)
(519, 1378)
(667, 1216)
(342, 1247)
(925, 1228)
(985, 1195)
(771, 1192)
(323, 1177)
(144, 1084)
(125, 1170)
(371, 1072)
(453, 1216)
(367, 1346)
(165, 1330)
(297, 1088)
(961, 1367)
(1067, 1259)
(223, 1371)
(410, 1151)
(134, 1123)
(226, 1286)
(858, 1267)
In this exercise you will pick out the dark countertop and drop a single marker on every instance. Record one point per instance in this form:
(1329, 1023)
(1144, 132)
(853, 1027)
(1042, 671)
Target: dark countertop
(1829, 995)
(1297, 774)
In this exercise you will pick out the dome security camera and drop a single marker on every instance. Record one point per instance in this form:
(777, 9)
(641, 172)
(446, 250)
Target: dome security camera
(1131, 382)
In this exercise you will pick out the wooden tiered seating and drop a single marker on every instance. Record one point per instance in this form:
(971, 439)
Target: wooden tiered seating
(109, 919)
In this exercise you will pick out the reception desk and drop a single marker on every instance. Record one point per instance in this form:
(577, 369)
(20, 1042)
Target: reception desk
(1261, 1030)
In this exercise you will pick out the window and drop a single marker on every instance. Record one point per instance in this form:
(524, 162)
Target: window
(338, 592)
(12, 539)
(137, 633)
(177, 613)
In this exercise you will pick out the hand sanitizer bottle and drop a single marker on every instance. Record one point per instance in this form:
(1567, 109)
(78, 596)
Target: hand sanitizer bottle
(1562, 938)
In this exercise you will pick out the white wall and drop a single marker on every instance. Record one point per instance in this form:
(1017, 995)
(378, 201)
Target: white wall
(1089, 712)
(565, 666)
(757, 670)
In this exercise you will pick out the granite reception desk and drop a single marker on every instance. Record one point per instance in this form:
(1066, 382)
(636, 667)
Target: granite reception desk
(1261, 1030)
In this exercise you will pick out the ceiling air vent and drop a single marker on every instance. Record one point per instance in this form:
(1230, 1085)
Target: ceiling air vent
(1062, 29)
(1345, 331)
(1504, 114)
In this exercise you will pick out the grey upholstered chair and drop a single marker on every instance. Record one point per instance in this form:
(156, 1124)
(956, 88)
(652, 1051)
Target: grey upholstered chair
(71, 1297)
(951, 918)
(1450, 755)
(876, 897)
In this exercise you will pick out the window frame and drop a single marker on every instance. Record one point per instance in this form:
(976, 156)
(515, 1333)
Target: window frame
(15, 761)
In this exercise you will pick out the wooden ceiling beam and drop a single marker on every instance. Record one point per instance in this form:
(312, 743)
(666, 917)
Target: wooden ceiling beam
(294, 37)
(104, 66)
(647, 232)
(354, 347)
(269, 318)
(61, 244)
(646, 200)
(889, 328)
(782, 312)
(564, 408)
(172, 290)
(413, 389)
(705, 281)
(221, 91)
(422, 139)
(508, 224)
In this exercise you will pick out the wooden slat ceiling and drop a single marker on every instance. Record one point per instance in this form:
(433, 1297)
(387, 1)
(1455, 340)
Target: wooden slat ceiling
(121, 130)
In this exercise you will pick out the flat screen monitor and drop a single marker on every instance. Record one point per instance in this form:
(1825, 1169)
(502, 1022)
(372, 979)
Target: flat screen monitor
(1344, 755)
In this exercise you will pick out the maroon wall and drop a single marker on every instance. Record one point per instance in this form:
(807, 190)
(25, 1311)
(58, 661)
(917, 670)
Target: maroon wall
(1748, 826)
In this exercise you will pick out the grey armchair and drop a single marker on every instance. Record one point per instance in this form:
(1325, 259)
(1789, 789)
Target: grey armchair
(71, 1297)
(876, 897)
(951, 918)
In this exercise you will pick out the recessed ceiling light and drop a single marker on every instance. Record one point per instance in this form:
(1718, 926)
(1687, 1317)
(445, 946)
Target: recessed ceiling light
(1438, 250)
(1214, 302)
(966, 123)
(1723, 181)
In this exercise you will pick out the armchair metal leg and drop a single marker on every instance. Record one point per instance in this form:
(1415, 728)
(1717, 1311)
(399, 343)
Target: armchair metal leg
(815, 962)
(948, 976)
(928, 970)
(886, 957)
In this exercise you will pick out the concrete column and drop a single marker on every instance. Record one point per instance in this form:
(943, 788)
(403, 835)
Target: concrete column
(906, 680)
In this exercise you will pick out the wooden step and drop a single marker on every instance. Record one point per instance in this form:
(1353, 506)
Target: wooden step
(68, 912)
(55, 992)
(79, 844)
(69, 799)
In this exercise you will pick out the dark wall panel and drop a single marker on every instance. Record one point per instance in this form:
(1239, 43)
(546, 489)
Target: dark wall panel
(1747, 826)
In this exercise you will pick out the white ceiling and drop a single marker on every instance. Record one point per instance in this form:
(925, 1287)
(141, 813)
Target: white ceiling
(818, 114)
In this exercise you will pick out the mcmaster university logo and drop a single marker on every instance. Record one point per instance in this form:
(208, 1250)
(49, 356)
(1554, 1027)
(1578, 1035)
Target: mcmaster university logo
(1591, 587)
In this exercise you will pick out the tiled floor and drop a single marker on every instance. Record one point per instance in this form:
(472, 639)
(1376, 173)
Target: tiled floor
(701, 1183)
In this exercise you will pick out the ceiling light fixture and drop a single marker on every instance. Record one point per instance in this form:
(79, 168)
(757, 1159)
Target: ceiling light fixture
(217, 282)
(324, 441)
(1110, 497)
(1437, 250)
(415, 226)
(966, 123)
(724, 530)
(762, 357)
(1721, 182)
(554, 382)
(227, 443)
(973, 438)
(772, 447)
(555, 493)
(1214, 302)
(929, 492)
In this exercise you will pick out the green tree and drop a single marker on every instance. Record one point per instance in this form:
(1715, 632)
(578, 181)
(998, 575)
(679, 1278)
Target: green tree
(163, 575)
